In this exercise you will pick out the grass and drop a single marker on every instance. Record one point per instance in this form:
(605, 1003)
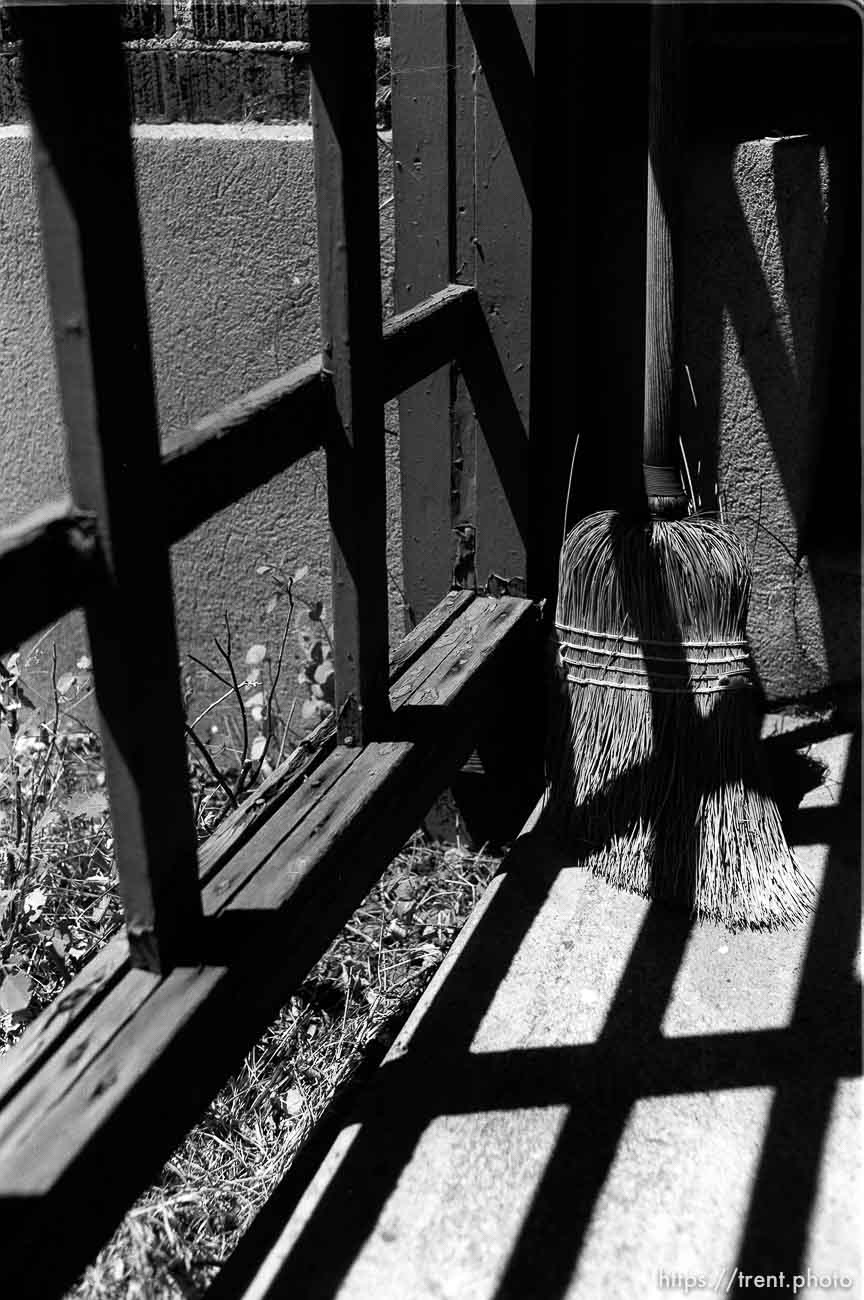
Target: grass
(172, 1241)
(58, 906)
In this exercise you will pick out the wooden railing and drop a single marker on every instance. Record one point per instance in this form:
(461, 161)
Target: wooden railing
(111, 1076)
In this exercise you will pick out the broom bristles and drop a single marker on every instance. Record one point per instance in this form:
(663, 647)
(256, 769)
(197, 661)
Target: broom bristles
(653, 772)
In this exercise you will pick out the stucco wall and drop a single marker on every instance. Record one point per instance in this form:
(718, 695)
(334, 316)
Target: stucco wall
(228, 231)
(761, 288)
(229, 241)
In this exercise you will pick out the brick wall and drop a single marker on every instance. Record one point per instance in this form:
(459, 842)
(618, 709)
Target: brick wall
(209, 61)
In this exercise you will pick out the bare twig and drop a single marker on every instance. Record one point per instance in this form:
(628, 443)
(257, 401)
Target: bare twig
(209, 669)
(225, 652)
(276, 675)
(215, 704)
(569, 487)
(285, 731)
(687, 471)
(758, 526)
(44, 769)
(209, 760)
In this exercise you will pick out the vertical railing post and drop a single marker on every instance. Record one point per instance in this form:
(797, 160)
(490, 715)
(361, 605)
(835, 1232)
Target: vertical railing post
(76, 89)
(346, 167)
(433, 472)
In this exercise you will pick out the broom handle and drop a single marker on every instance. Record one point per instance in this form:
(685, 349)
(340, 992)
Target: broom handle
(666, 496)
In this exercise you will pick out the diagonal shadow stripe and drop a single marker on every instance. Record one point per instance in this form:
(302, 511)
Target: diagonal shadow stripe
(598, 1081)
(554, 1229)
(827, 1012)
(392, 1124)
(510, 78)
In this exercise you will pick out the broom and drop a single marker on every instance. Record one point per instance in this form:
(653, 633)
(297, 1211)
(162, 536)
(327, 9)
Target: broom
(653, 775)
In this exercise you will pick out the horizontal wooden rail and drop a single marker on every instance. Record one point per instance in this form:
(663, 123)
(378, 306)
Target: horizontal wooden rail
(420, 340)
(226, 455)
(51, 557)
(77, 1142)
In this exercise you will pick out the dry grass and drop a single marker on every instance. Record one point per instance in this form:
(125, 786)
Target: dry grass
(172, 1241)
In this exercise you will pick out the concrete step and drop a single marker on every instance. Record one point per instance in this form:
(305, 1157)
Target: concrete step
(596, 1100)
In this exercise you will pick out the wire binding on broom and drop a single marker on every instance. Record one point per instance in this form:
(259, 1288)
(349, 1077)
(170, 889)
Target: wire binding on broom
(653, 774)
(718, 667)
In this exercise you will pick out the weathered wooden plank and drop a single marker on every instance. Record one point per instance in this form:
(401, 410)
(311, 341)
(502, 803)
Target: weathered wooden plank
(305, 855)
(237, 449)
(77, 1002)
(252, 856)
(48, 563)
(325, 792)
(420, 95)
(88, 989)
(346, 182)
(426, 336)
(196, 1023)
(47, 1087)
(464, 258)
(73, 66)
(505, 133)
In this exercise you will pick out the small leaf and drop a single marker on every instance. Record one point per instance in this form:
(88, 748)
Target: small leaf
(264, 568)
(323, 671)
(302, 573)
(35, 901)
(99, 909)
(92, 805)
(15, 993)
(271, 604)
(292, 1101)
(65, 683)
(255, 701)
(309, 709)
(255, 654)
(50, 819)
(259, 744)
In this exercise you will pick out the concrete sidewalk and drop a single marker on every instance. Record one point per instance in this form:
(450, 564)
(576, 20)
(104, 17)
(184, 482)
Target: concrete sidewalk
(595, 1100)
